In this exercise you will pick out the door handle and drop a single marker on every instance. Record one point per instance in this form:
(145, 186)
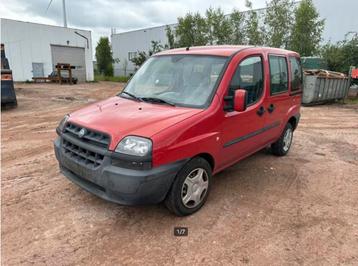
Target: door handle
(261, 111)
(271, 108)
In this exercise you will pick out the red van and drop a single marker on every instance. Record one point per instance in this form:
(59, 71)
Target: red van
(185, 115)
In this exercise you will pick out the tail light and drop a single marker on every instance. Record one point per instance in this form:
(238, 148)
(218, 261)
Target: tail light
(6, 76)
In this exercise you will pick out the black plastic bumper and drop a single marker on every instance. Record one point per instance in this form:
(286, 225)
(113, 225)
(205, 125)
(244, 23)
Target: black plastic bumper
(120, 185)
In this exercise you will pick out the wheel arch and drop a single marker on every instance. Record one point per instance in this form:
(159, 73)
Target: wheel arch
(293, 121)
(208, 157)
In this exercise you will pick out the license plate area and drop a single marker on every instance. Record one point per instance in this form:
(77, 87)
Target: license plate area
(80, 170)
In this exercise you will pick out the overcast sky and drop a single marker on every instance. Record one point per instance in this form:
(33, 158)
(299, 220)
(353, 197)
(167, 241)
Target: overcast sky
(100, 16)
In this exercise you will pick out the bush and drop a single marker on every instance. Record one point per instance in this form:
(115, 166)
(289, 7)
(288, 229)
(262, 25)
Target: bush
(109, 78)
(109, 70)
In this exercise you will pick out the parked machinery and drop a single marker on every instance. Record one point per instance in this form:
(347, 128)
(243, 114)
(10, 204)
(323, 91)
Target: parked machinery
(354, 74)
(353, 90)
(62, 74)
(8, 96)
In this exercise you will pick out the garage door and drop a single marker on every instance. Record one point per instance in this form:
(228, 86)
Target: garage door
(70, 55)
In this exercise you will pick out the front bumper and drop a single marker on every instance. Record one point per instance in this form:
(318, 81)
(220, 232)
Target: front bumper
(120, 185)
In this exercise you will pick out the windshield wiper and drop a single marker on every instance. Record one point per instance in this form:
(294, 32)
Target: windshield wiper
(157, 100)
(132, 95)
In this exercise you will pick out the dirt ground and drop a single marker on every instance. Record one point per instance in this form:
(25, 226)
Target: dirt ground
(265, 210)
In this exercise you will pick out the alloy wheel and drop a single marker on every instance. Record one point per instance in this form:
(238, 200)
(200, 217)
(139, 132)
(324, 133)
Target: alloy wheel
(195, 188)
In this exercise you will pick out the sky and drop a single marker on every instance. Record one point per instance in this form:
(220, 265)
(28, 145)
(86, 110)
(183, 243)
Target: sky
(100, 16)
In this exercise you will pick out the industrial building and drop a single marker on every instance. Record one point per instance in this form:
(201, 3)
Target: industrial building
(126, 45)
(34, 49)
(339, 19)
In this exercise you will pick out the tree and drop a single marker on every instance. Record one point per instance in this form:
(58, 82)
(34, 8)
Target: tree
(333, 55)
(142, 56)
(139, 59)
(350, 50)
(237, 27)
(218, 26)
(307, 29)
(342, 55)
(278, 20)
(191, 30)
(170, 37)
(104, 57)
(156, 47)
(253, 32)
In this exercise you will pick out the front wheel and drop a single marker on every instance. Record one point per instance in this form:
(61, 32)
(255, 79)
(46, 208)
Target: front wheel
(283, 144)
(190, 188)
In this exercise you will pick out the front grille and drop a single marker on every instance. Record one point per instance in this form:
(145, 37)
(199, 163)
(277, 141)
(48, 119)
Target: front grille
(89, 136)
(75, 138)
(82, 156)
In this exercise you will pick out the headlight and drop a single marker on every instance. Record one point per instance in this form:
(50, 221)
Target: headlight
(133, 145)
(63, 122)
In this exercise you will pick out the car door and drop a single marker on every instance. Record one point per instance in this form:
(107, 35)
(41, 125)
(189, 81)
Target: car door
(241, 130)
(277, 98)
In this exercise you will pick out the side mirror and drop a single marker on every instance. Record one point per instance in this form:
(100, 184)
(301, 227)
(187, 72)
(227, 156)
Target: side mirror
(240, 100)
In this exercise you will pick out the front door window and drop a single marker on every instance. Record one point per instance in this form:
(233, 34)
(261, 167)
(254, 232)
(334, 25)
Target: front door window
(249, 76)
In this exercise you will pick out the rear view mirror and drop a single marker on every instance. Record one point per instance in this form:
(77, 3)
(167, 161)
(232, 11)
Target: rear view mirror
(240, 100)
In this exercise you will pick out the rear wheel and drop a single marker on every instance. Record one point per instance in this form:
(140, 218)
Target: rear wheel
(190, 188)
(283, 144)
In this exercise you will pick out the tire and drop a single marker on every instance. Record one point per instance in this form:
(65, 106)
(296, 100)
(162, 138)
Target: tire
(190, 191)
(282, 146)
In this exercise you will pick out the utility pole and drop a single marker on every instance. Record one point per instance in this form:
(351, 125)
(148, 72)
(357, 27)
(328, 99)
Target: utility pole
(64, 13)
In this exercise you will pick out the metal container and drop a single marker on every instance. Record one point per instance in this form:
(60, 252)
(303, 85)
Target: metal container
(326, 87)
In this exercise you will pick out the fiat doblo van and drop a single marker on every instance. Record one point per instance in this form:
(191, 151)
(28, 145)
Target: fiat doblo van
(184, 116)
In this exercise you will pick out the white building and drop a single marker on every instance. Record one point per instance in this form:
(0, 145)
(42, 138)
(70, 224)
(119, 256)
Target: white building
(340, 18)
(34, 49)
(126, 45)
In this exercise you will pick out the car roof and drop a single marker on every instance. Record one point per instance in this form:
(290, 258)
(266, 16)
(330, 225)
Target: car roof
(220, 50)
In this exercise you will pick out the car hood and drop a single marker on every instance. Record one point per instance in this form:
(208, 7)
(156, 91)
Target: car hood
(121, 117)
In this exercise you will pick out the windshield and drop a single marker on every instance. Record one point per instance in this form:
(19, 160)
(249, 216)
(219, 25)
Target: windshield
(184, 80)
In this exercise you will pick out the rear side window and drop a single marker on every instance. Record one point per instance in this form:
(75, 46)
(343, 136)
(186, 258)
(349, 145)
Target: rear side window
(249, 76)
(296, 70)
(278, 74)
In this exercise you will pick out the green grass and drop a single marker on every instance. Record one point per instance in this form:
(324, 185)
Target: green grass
(114, 79)
(351, 101)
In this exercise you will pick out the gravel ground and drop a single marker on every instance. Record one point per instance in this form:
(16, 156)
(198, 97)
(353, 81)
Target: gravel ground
(265, 210)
